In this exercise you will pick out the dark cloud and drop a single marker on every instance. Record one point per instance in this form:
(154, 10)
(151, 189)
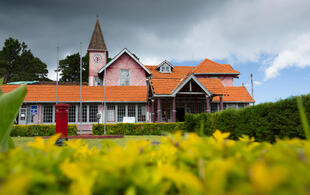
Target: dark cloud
(45, 24)
(156, 29)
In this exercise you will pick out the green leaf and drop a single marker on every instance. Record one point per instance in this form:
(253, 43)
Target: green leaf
(9, 107)
(1, 83)
(303, 118)
(10, 143)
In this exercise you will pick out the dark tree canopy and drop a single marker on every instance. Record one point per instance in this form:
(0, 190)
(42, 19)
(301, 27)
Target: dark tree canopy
(17, 63)
(70, 68)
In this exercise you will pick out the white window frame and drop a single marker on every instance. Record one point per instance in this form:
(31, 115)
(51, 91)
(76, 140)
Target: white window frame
(123, 81)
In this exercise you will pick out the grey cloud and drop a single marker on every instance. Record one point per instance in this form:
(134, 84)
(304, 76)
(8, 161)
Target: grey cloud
(157, 29)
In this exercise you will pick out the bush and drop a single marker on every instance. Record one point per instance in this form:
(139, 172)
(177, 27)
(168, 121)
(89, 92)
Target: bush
(264, 122)
(137, 128)
(39, 130)
(178, 165)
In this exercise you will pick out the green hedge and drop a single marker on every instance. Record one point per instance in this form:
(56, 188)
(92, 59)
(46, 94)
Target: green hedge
(137, 128)
(39, 130)
(264, 122)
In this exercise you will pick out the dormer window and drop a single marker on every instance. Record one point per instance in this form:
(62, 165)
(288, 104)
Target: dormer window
(165, 67)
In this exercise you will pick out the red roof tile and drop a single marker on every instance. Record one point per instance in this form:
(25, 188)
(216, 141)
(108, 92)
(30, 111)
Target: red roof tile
(164, 86)
(208, 67)
(214, 85)
(47, 93)
(235, 94)
(177, 72)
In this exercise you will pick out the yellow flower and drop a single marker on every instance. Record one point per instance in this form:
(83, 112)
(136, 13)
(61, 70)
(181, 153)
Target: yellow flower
(16, 184)
(39, 143)
(180, 178)
(265, 179)
(82, 176)
(219, 136)
(246, 138)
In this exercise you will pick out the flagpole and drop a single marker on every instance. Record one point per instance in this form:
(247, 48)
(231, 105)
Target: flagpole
(104, 103)
(57, 75)
(81, 83)
(252, 88)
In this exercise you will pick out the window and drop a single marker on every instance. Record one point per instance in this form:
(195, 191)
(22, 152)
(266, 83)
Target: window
(132, 110)
(214, 107)
(201, 108)
(98, 81)
(23, 112)
(165, 68)
(71, 114)
(93, 110)
(165, 111)
(84, 113)
(241, 105)
(47, 113)
(121, 112)
(141, 113)
(30, 117)
(111, 113)
(228, 106)
(124, 77)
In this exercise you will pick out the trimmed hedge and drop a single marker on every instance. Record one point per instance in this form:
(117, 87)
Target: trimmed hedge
(39, 130)
(138, 128)
(264, 122)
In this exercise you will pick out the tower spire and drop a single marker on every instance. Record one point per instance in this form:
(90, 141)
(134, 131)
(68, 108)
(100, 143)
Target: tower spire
(97, 41)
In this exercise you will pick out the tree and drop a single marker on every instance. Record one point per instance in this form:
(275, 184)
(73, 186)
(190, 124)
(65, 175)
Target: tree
(17, 63)
(70, 68)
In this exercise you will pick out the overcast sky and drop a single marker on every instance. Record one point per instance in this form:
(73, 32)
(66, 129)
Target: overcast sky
(270, 38)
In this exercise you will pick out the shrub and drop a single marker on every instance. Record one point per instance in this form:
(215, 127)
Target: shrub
(264, 122)
(178, 165)
(137, 128)
(39, 130)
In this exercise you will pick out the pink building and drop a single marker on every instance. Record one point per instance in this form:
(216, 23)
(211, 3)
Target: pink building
(142, 93)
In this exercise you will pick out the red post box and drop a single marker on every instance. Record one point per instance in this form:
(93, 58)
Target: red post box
(62, 119)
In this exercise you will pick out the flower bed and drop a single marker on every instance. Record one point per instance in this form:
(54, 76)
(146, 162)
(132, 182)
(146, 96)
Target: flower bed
(178, 165)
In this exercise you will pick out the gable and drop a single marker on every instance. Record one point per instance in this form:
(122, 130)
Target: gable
(191, 78)
(165, 67)
(125, 51)
(125, 71)
(191, 86)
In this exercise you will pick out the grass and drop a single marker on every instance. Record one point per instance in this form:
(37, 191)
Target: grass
(22, 141)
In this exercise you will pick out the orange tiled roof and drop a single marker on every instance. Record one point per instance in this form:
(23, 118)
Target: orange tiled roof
(177, 72)
(163, 85)
(236, 94)
(47, 93)
(209, 67)
(214, 85)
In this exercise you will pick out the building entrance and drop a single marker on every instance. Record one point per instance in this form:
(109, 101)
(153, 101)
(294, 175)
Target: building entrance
(180, 114)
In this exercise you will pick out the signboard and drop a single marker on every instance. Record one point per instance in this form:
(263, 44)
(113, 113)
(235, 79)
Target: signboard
(129, 119)
(34, 109)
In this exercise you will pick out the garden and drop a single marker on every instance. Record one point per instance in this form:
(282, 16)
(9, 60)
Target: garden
(243, 157)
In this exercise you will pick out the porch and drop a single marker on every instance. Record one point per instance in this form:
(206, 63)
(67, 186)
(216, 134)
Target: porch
(173, 109)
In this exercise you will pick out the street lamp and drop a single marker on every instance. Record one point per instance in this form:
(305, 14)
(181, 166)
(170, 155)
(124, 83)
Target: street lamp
(98, 118)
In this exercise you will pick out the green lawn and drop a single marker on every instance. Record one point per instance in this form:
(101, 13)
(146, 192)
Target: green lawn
(22, 141)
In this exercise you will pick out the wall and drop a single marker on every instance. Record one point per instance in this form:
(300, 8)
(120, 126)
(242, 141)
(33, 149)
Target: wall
(227, 81)
(137, 73)
(94, 67)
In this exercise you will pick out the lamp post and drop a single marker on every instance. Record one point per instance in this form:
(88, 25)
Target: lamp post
(98, 118)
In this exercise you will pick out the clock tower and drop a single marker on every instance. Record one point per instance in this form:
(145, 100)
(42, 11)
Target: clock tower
(98, 55)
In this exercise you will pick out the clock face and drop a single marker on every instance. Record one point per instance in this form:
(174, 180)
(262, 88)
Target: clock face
(97, 58)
